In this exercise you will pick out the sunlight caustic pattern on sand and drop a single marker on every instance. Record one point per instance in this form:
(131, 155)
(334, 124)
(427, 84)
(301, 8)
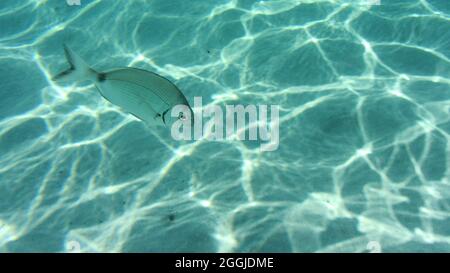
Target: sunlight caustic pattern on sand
(364, 96)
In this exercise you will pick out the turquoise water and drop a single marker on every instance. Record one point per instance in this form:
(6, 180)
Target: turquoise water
(363, 157)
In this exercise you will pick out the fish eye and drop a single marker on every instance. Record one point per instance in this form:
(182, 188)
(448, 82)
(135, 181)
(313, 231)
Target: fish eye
(181, 116)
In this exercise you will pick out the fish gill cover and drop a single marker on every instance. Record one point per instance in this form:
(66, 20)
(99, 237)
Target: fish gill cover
(363, 92)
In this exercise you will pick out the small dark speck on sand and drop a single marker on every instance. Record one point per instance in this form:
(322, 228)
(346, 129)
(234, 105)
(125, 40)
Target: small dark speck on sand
(171, 217)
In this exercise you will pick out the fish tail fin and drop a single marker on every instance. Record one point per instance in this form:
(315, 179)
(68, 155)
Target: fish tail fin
(79, 70)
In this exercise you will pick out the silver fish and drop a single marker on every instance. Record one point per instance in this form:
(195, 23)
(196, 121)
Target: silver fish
(146, 95)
